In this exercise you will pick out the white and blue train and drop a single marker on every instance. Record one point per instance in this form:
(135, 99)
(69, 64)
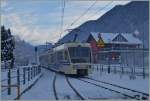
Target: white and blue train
(69, 58)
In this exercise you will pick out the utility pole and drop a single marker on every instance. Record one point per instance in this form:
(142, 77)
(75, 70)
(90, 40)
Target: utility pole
(143, 58)
(36, 55)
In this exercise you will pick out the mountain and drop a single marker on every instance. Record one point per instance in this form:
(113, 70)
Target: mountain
(120, 19)
(45, 47)
(24, 52)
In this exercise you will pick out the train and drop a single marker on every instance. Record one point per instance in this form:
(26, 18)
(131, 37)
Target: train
(69, 58)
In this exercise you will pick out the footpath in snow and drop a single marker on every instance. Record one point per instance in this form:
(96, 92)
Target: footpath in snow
(43, 89)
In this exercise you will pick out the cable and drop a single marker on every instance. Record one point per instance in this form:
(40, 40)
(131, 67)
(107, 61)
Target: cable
(82, 15)
(101, 9)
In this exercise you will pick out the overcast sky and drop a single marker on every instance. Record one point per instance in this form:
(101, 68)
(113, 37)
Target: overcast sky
(38, 21)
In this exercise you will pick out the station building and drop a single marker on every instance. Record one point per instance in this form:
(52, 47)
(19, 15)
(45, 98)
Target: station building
(106, 46)
(109, 46)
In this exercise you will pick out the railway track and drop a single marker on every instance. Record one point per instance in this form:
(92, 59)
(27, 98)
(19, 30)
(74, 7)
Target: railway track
(73, 88)
(112, 89)
(128, 93)
(54, 88)
(139, 94)
(69, 84)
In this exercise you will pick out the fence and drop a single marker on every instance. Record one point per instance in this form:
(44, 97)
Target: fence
(133, 62)
(18, 76)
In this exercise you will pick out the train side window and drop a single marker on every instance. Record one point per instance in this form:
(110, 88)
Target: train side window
(49, 59)
(55, 57)
(66, 55)
(60, 55)
(52, 58)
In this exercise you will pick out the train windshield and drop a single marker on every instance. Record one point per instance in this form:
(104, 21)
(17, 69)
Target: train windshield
(80, 54)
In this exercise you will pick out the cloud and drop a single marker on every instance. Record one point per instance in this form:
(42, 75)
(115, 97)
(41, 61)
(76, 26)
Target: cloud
(78, 7)
(3, 3)
(38, 22)
(35, 35)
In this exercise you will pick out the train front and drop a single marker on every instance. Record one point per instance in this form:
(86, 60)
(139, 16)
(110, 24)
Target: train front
(81, 59)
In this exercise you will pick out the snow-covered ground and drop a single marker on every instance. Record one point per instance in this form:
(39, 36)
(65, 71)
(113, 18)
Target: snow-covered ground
(124, 80)
(93, 92)
(64, 91)
(13, 95)
(43, 89)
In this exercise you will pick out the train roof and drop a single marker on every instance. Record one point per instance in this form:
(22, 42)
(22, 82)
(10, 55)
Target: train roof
(74, 44)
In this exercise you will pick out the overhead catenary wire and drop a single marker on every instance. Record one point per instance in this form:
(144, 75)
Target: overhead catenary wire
(63, 7)
(100, 9)
(82, 14)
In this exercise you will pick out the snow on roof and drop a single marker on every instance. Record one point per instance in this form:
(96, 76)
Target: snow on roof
(131, 38)
(108, 37)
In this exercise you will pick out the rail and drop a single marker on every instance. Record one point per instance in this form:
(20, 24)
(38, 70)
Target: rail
(81, 97)
(143, 97)
(124, 94)
(54, 88)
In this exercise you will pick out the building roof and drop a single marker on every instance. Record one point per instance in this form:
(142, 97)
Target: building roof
(110, 38)
(82, 36)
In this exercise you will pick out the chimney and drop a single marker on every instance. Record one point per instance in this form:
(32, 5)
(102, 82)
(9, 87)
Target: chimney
(136, 33)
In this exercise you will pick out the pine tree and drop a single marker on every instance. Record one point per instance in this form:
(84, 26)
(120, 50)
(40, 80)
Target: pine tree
(7, 46)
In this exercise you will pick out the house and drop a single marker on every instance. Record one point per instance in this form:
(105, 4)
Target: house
(103, 43)
(108, 46)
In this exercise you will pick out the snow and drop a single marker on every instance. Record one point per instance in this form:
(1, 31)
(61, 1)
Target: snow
(138, 83)
(7, 40)
(43, 89)
(64, 91)
(108, 37)
(131, 38)
(93, 92)
(13, 95)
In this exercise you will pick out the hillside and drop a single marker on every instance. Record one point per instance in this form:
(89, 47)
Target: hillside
(120, 19)
(24, 52)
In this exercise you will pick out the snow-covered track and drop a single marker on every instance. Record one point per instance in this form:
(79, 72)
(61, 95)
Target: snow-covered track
(70, 85)
(54, 88)
(126, 92)
(110, 89)
(139, 94)
(73, 88)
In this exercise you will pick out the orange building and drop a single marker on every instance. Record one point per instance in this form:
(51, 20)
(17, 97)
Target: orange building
(107, 46)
